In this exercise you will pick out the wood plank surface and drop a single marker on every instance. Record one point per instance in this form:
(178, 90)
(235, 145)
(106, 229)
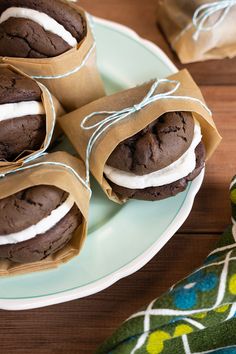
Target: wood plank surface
(80, 326)
(211, 211)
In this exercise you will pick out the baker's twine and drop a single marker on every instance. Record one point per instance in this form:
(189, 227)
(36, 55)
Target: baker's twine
(114, 117)
(68, 73)
(48, 163)
(204, 12)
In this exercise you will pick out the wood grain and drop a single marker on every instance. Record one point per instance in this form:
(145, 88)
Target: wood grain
(80, 326)
(141, 16)
(211, 211)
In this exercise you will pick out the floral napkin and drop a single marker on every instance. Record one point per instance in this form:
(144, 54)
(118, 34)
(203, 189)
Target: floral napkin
(198, 315)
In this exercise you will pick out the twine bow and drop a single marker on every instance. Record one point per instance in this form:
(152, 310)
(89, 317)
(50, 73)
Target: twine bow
(206, 11)
(114, 117)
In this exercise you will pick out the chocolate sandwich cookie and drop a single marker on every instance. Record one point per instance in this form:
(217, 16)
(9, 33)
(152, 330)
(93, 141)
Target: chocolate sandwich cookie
(159, 161)
(39, 29)
(36, 223)
(165, 191)
(22, 115)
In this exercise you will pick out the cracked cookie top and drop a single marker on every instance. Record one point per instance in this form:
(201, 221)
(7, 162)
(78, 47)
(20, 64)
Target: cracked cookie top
(25, 38)
(17, 88)
(158, 145)
(28, 207)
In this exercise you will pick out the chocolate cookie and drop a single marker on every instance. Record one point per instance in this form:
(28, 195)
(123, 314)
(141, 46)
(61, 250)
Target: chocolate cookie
(30, 207)
(19, 134)
(155, 147)
(169, 190)
(17, 88)
(23, 34)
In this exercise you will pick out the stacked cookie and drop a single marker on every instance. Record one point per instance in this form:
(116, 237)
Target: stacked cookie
(22, 115)
(147, 142)
(159, 161)
(36, 222)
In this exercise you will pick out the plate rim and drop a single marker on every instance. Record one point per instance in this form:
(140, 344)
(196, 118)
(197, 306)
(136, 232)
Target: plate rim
(141, 260)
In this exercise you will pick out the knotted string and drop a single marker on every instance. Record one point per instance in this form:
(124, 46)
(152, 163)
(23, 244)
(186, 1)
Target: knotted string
(48, 163)
(114, 117)
(206, 11)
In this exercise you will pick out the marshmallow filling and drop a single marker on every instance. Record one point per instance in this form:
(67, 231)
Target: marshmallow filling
(41, 227)
(179, 169)
(20, 109)
(45, 21)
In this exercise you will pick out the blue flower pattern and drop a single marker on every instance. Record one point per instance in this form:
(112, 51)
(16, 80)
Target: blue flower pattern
(185, 296)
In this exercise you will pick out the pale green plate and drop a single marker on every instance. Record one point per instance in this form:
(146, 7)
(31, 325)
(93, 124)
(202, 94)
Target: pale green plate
(121, 239)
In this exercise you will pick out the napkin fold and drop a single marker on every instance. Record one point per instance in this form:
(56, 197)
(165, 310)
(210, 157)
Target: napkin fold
(197, 315)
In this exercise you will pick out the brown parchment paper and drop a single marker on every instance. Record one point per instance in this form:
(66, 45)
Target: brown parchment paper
(62, 178)
(52, 107)
(73, 90)
(175, 19)
(79, 137)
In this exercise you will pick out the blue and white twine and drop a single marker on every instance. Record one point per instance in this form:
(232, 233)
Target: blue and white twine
(71, 72)
(206, 11)
(114, 117)
(48, 163)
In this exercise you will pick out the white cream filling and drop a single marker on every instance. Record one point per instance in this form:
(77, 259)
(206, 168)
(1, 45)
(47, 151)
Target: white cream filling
(172, 173)
(20, 109)
(45, 21)
(41, 227)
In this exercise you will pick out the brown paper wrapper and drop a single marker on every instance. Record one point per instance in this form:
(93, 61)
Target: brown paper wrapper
(51, 105)
(122, 130)
(175, 19)
(64, 179)
(73, 87)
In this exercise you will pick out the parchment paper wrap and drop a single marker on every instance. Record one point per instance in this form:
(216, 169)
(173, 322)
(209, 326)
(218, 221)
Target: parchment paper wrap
(64, 179)
(106, 144)
(53, 109)
(175, 19)
(72, 77)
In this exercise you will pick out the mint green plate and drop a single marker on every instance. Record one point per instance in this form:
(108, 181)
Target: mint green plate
(121, 239)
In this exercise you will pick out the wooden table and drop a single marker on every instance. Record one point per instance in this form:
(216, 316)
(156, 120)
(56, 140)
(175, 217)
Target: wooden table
(80, 326)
